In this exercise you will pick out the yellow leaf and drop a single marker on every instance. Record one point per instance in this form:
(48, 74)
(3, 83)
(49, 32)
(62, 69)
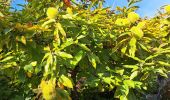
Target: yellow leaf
(66, 81)
(141, 25)
(48, 90)
(52, 12)
(56, 38)
(34, 63)
(45, 24)
(133, 17)
(132, 44)
(123, 50)
(167, 9)
(137, 32)
(47, 48)
(21, 39)
(58, 25)
(122, 22)
(29, 74)
(69, 11)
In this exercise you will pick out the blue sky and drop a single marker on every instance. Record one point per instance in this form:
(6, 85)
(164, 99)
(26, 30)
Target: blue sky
(15, 2)
(147, 7)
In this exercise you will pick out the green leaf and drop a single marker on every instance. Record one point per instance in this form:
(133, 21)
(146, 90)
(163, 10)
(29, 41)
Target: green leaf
(77, 58)
(161, 72)
(93, 59)
(143, 47)
(151, 57)
(56, 38)
(123, 97)
(138, 84)
(68, 23)
(131, 95)
(81, 36)
(66, 81)
(133, 75)
(129, 83)
(8, 30)
(84, 47)
(145, 76)
(28, 68)
(45, 56)
(121, 90)
(164, 63)
(134, 67)
(136, 58)
(7, 59)
(64, 55)
(160, 52)
(119, 45)
(119, 71)
(21, 76)
(107, 80)
(93, 81)
(8, 65)
(63, 94)
(48, 63)
(68, 42)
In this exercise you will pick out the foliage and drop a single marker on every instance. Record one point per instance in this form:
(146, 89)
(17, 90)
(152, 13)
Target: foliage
(77, 50)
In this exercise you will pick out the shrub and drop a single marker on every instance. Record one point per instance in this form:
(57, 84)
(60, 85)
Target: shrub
(80, 51)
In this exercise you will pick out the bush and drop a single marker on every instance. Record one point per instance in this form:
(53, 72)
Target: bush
(81, 52)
